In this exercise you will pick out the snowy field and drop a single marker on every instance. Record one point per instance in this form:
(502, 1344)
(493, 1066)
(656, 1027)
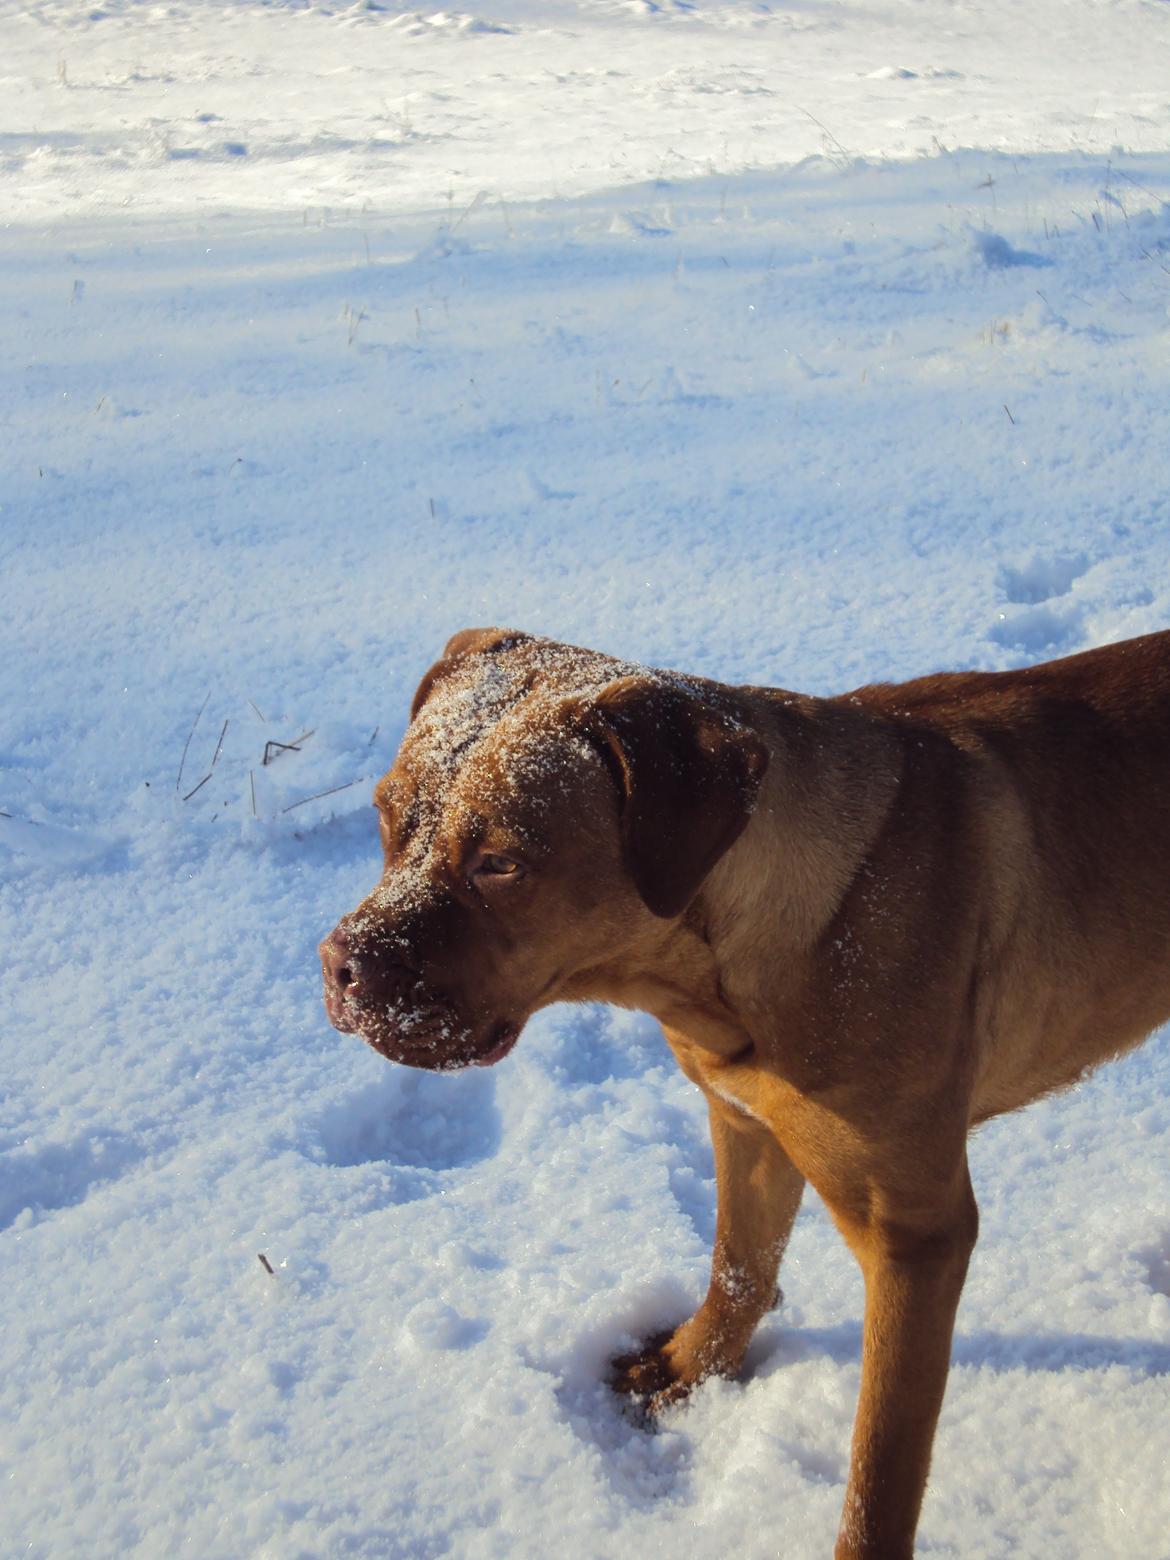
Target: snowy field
(805, 343)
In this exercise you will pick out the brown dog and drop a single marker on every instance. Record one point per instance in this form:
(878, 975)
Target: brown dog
(865, 923)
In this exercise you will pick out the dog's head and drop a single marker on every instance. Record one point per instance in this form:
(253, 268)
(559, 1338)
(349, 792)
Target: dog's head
(550, 812)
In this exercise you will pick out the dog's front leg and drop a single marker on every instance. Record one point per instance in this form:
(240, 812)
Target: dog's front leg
(759, 1191)
(914, 1269)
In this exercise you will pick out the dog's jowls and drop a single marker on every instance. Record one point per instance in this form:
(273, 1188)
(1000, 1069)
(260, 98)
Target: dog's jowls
(865, 923)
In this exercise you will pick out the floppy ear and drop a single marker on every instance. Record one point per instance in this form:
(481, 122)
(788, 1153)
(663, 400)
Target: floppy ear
(689, 777)
(468, 641)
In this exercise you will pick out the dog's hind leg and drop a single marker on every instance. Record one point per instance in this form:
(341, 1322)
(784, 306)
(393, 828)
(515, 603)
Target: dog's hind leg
(914, 1262)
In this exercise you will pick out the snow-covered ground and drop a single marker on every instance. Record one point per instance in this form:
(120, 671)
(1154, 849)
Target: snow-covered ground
(807, 343)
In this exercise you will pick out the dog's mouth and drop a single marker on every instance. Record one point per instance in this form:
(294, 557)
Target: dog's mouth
(337, 1010)
(503, 1037)
(441, 1047)
(429, 1037)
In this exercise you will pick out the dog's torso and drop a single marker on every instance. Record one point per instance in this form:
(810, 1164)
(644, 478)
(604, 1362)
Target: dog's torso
(987, 856)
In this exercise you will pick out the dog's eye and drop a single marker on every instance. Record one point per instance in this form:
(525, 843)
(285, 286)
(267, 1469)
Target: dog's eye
(499, 868)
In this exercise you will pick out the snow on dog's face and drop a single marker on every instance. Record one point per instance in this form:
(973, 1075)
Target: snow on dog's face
(540, 826)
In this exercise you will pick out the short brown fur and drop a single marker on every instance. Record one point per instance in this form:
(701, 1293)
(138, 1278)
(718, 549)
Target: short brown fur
(866, 924)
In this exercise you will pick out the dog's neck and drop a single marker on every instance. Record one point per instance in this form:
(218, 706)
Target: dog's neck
(833, 775)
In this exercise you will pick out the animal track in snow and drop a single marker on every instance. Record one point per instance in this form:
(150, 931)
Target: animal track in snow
(433, 1326)
(1042, 577)
(998, 255)
(59, 1174)
(1037, 629)
(415, 24)
(1031, 586)
(1155, 1261)
(904, 73)
(49, 844)
(423, 1121)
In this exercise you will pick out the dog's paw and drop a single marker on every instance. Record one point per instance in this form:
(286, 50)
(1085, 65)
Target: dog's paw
(649, 1379)
(646, 1371)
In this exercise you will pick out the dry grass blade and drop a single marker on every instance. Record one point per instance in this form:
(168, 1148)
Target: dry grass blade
(272, 748)
(187, 744)
(198, 787)
(317, 795)
(219, 744)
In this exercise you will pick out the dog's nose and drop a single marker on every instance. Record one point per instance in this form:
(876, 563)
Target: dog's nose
(339, 961)
(357, 972)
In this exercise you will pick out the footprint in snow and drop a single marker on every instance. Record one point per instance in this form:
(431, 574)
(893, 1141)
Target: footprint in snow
(1155, 1264)
(1041, 577)
(434, 1326)
(1038, 630)
(998, 255)
(1038, 627)
(55, 1175)
(1155, 1261)
(417, 1120)
(902, 73)
(635, 224)
(49, 844)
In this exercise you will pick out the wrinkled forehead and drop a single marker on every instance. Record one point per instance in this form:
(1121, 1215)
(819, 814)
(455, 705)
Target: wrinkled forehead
(494, 730)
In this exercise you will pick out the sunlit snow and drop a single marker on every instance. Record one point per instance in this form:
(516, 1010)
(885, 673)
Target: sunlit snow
(808, 344)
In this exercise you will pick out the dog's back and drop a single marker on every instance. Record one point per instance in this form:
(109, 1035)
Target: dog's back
(1074, 763)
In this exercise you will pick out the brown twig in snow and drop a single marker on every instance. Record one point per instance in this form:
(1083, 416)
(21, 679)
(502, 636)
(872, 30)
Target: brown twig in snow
(265, 1264)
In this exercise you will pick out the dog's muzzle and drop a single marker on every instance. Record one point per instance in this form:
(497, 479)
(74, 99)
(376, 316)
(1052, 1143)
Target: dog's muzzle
(388, 1004)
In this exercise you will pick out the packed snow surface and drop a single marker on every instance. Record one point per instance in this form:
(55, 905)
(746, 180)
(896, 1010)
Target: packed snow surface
(805, 343)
